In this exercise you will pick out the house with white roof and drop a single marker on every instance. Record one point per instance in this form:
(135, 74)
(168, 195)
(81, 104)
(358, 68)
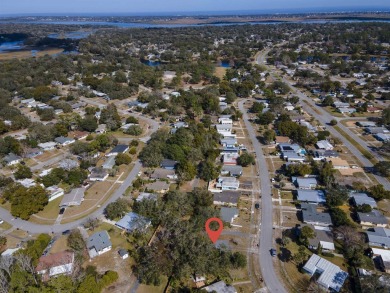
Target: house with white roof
(324, 145)
(311, 196)
(382, 257)
(330, 275)
(54, 192)
(228, 183)
(47, 146)
(223, 120)
(304, 183)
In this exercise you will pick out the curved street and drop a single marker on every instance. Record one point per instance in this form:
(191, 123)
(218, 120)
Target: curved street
(266, 222)
(34, 228)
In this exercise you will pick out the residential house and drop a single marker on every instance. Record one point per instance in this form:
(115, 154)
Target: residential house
(229, 214)
(310, 215)
(47, 146)
(77, 135)
(98, 174)
(223, 120)
(231, 170)
(324, 154)
(230, 150)
(293, 157)
(304, 183)
(60, 263)
(376, 130)
(226, 197)
(220, 287)
(109, 163)
(54, 192)
(366, 123)
(158, 186)
(27, 182)
(330, 275)
(163, 174)
(132, 221)
(323, 237)
(382, 257)
(223, 106)
(118, 149)
(228, 142)
(64, 141)
(346, 110)
(228, 183)
(74, 198)
(374, 110)
(362, 198)
(374, 218)
(311, 196)
(102, 128)
(339, 105)
(12, 159)
(98, 243)
(168, 164)
(338, 163)
(230, 159)
(383, 137)
(324, 145)
(32, 153)
(224, 128)
(146, 196)
(379, 236)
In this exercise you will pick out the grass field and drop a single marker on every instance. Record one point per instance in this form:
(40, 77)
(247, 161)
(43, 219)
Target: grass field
(49, 214)
(27, 54)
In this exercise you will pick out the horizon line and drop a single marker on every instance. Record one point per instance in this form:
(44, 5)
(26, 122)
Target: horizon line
(273, 11)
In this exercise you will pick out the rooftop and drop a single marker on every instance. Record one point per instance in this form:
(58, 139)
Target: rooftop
(363, 198)
(374, 217)
(317, 196)
(100, 240)
(133, 221)
(229, 214)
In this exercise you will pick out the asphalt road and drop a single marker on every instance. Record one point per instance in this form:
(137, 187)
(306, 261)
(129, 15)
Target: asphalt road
(324, 118)
(33, 228)
(265, 232)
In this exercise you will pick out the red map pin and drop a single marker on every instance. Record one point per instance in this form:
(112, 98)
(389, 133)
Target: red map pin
(214, 235)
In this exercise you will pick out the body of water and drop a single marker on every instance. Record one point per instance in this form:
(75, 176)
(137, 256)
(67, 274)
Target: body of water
(151, 63)
(76, 35)
(11, 46)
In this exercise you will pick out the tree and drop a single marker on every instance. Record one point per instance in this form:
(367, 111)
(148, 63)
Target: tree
(339, 218)
(333, 122)
(23, 172)
(328, 101)
(116, 209)
(336, 196)
(383, 168)
(25, 202)
(269, 136)
(300, 256)
(122, 159)
(306, 233)
(245, 159)
(132, 119)
(364, 208)
(186, 171)
(257, 107)
(378, 192)
(285, 240)
(238, 260)
(76, 241)
(385, 119)
(135, 130)
(326, 175)
(89, 123)
(266, 118)
(208, 171)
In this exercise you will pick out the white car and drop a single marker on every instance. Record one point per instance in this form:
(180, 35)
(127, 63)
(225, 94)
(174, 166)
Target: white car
(1, 221)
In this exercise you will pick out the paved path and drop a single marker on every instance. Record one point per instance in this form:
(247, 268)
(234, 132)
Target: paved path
(324, 118)
(33, 228)
(265, 235)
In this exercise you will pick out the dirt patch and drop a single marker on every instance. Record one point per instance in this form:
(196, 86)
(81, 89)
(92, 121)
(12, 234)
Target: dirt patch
(220, 72)
(28, 54)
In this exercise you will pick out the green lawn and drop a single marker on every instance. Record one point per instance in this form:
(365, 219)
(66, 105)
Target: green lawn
(49, 213)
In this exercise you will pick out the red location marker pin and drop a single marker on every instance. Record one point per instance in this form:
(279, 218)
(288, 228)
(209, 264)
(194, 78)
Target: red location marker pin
(214, 235)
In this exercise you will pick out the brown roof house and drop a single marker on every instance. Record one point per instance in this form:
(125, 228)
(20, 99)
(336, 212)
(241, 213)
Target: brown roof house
(59, 263)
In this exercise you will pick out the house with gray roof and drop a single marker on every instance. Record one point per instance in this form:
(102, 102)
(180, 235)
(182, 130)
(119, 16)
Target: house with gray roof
(12, 159)
(161, 173)
(304, 183)
(98, 243)
(311, 196)
(146, 196)
(168, 164)
(132, 221)
(374, 218)
(226, 197)
(310, 215)
(323, 237)
(73, 198)
(158, 186)
(109, 163)
(220, 287)
(229, 214)
(331, 276)
(63, 141)
(231, 170)
(362, 198)
(98, 174)
(378, 236)
(118, 149)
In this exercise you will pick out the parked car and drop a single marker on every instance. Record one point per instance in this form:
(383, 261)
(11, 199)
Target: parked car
(257, 205)
(273, 252)
(1, 221)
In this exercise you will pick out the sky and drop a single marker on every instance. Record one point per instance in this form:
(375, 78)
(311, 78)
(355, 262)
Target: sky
(164, 6)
